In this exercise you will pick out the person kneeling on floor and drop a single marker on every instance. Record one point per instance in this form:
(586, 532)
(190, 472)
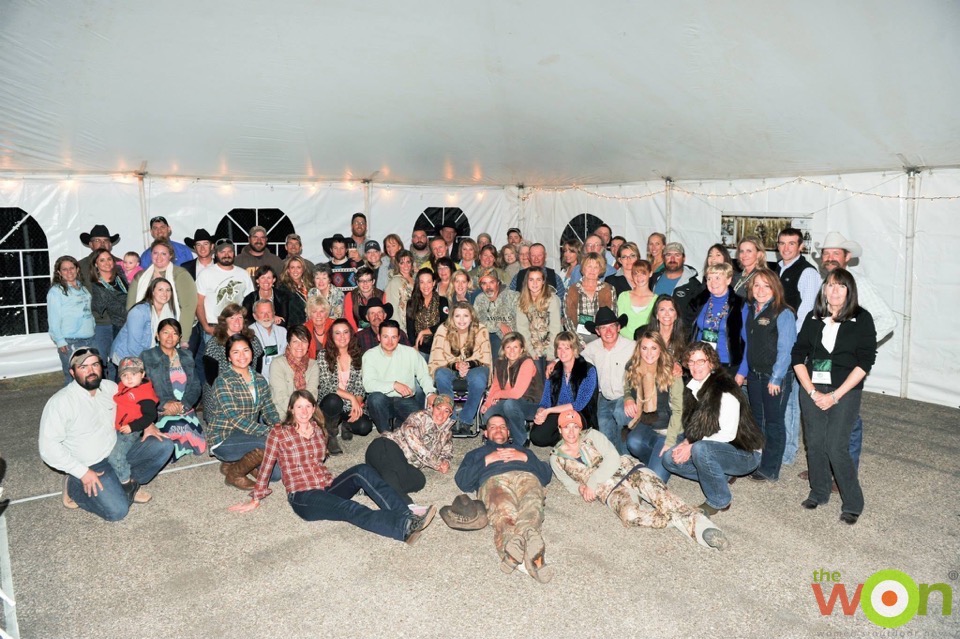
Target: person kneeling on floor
(77, 435)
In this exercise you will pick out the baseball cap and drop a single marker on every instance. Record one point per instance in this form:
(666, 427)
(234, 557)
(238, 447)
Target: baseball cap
(674, 247)
(371, 245)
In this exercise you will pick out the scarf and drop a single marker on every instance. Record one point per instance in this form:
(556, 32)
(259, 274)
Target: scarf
(647, 392)
(149, 274)
(299, 368)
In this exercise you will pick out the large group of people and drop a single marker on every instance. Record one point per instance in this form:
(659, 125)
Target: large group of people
(627, 369)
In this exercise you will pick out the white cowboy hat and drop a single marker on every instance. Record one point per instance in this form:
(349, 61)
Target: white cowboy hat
(836, 241)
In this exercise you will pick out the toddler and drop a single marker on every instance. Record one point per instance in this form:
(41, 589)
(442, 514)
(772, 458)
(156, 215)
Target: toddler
(136, 410)
(131, 265)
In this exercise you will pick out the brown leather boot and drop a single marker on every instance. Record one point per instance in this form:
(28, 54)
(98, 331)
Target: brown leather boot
(333, 446)
(237, 473)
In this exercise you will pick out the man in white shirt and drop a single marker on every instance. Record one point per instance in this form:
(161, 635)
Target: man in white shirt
(77, 435)
(609, 355)
(272, 337)
(220, 285)
(391, 376)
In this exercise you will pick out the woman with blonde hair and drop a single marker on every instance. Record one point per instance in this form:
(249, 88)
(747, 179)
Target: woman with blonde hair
(468, 254)
(323, 287)
(460, 359)
(752, 255)
(572, 386)
(538, 319)
(637, 304)
(463, 290)
(587, 296)
(653, 400)
(509, 262)
(318, 323)
(400, 285)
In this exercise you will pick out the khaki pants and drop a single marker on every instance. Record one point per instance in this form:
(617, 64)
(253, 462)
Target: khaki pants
(514, 502)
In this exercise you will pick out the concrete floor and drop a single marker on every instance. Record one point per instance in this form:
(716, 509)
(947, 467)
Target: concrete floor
(182, 566)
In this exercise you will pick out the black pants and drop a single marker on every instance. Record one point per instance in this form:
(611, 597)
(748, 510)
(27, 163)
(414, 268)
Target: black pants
(333, 415)
(548, 433)
(387, 458)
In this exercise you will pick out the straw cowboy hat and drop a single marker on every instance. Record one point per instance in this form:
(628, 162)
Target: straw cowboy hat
(836, 241)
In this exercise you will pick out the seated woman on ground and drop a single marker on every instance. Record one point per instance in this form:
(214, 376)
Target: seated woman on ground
(295, 370)
(571, 386)
(516, 389)
(425, 440)
(653, 400)
(241, 414)
(298, 445)
(341, 386)
(171, 369)
(721, 440)
(230, 322)
(461, 356)
(586, 463)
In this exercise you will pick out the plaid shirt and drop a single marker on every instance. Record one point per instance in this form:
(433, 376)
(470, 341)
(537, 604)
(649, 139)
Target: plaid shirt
(235, 409)
(301, 461)
(423, 442)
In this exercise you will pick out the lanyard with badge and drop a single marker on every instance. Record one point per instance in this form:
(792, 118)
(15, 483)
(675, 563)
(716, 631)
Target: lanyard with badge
(711, 323)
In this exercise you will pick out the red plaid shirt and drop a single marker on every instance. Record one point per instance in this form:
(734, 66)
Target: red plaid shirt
(301, 461)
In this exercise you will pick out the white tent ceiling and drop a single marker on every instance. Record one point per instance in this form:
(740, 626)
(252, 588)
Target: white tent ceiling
(495, 92)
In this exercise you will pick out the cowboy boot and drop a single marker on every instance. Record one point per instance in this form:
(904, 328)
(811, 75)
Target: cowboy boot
(333, 446)
(237, 473)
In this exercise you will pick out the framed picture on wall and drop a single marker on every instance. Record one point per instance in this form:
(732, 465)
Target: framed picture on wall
(735, 227)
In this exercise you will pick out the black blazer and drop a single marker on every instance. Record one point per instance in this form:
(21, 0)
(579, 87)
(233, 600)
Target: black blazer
(856, 346)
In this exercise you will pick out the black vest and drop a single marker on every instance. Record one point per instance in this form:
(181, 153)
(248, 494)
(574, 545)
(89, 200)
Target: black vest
(762, 337)
(790, 278)
(579, 373)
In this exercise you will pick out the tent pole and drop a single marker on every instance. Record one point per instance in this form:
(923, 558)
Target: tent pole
(668, 207)
(144, 213)
(912, 204)
(366, 206)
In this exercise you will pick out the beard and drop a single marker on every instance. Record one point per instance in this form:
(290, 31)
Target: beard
(224, 260)
(419, 246)
(831, 265)
(91, 382)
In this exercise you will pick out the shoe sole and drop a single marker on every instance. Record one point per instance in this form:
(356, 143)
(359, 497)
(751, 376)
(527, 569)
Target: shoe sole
(715, 538)
(68, 502)
(533, 554)
(141, 497)
(512, 555)
(427, 519)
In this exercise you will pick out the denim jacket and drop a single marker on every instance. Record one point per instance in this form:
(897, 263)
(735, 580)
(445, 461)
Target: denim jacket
(69, 315)
(157, 367)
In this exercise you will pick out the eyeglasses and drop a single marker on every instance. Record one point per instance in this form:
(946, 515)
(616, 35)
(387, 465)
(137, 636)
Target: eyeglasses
(365, 280)
(627, 256)
(697, 362)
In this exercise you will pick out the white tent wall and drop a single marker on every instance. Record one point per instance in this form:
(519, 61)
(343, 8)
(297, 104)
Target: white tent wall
(690, 210)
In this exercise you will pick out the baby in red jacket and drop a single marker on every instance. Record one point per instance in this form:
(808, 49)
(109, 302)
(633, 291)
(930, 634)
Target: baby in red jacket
(136, 410)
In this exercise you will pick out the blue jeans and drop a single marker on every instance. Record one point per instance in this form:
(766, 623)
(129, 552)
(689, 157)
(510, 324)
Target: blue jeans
(73, 343)
(517, 412)
(336, 503)
(856, 442)
(610, 421)
(146, 459)
(103, 341)
(382, 408)
(236, 445)
(645, 444)
(791, 424)
(477, 378)
(769, 411)
(495, 342)
(710, 463)
(118, 456)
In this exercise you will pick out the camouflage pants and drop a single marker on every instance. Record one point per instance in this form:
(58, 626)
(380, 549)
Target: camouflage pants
(514, 502)
(642, 499)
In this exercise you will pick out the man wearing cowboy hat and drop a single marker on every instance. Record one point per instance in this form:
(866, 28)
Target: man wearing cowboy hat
(160, 230)
(511, 482)
(202, 244)
(343, 269)
(98, 238)
(496, 309)
(609, 355)
(836, 251)
(375, 313)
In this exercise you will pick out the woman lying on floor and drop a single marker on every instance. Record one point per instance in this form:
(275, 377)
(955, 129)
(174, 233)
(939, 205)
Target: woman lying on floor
(586, 463)
(299, 445)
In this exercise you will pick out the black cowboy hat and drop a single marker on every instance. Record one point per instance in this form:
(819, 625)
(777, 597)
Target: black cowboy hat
(99, 230)
(465, 514)
(605, 316)
(200, 235)
(328, 243)
(375, 302)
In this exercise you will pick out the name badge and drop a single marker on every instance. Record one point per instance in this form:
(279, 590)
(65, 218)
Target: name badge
(821, 371)
(710, 337)
(582, 330)
(270, 351)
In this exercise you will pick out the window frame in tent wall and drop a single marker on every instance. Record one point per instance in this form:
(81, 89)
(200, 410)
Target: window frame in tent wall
(23, 245)
(236, 225)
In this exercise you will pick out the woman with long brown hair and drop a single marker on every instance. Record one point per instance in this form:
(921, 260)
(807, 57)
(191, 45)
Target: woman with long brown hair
(516, 388)
(400, 285)
(231, 321)
(69, 316)
(426, 311)
(538, 316)
(108, 290)
(340, 389)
